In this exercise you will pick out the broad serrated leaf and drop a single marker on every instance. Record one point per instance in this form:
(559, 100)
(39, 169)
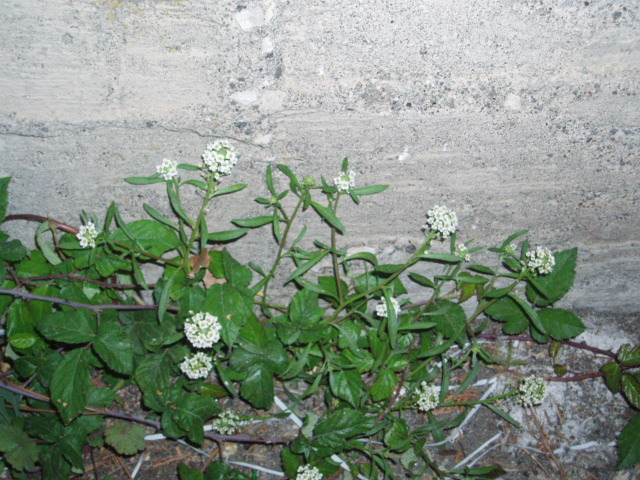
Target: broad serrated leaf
(347, 385)
(114, 347)
(629, 444)
(629, 356)
(77, 326)
(150, 236)
(382, 389)
(125, 438)
(70, 384)
(340, 426)
(560, 324)
(631, 388)
(192, 412)
(257, 387)
(19, 450)
(555, 285)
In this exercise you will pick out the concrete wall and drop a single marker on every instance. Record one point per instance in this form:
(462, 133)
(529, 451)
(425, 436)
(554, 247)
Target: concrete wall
(514, 113)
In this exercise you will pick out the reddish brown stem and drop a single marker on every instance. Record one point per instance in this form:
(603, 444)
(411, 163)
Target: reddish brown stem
(71, 276)
(582, 346)
(39, 218)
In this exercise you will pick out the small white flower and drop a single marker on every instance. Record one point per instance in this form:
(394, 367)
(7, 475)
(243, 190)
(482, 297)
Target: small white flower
(427, 397)
(381, 308)
(219, 158)
(540, 260)
(167, 169)
(532, 391)
(442, 221)
(87, 235)
(202, 330)
(197, 365)
(345, 181)
(463, 251)
(227, 423)
(307, 472)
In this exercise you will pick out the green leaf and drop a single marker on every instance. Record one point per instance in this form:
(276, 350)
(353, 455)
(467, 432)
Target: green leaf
(508, 311)
(187, 473)
(228, 190)
(481, 269)
(237, 274)
(70, 384)
(452, 322)
(547, 289)
(294, 183)
(227, 235)
(328, 215)
(383, 387)
(174, 200)
(23, 341)
(489, 472)
(369, 190)
(347, 385)
(513, 237)
(19, 450)
(198, 184)
(113, 345)
(151, 236)
(398, 438)
(227, 303)
(125, 438)
(422, 280)
(366, 256)
(501, 413)
(530, 313)
(156, 178)
(340, 426)
(44, 246)
(257, 387)
(77, 326)
(4, 197)
(315, 258)
(189, 167)
(629, 356)
(253, 222)
(192, 412)
(560, 324)
(442, 257)
(629, 444)
(12, 251)
(631, 388)
(156, 215)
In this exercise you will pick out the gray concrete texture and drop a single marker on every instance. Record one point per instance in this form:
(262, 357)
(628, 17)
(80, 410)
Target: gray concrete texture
(514, 113)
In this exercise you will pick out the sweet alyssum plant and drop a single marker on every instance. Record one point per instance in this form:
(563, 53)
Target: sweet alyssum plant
(79, 334)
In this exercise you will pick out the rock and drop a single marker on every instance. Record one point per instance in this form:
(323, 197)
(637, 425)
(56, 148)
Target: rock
(250, 18)
(245, 98)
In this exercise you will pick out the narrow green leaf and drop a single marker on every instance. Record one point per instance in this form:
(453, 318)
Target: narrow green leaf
(155, 178)
(481, 269)
(513, 237)
(253, 222)
(366, 256)
(174, 200)
(307, 265)
(228, 190)
(227, 235)
(530, 313)
(165, 296)
(189, 167)
(422, 280)
(501, 413)
(294, 183)
(156, 215)
(4, 197)
(369, 190)
(442, 257)
(44, 246)
(328, 215)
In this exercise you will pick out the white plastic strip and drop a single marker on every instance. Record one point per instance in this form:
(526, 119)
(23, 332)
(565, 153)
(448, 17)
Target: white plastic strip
(478, 450)
(258, 468)
(143, 457)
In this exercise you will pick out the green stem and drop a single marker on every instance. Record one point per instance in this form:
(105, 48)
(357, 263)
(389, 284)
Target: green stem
(211, 188)
(283, 242)
(336, 264)
(415, 258)
(479, 402)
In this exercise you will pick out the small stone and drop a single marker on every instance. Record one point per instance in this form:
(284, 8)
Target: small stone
(250, 18)
(512, 102)
(263, 139)
(267, 45)
(245, 98)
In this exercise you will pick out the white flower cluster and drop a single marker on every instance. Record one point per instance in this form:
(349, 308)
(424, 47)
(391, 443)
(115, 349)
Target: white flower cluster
(463, 251)
(87, 235)
(167, 169)
(345, 181)
(219, 157)
(532, 391)
(541, 260)
(381, 308)
(202, 330)
(226, 423)
(428, 397)
(197, 365)
(442, 221)
(307, 472)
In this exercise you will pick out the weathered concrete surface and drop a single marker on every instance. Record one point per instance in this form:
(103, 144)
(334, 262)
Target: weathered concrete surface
(515, 113)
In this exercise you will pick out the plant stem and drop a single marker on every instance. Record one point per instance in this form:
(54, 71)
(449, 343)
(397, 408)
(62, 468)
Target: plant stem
(334, 255)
